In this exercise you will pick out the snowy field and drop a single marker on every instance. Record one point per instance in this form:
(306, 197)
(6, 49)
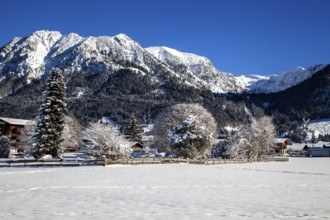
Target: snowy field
(299, 189)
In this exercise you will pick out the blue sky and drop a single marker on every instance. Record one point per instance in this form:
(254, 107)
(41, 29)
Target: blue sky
(238, 36)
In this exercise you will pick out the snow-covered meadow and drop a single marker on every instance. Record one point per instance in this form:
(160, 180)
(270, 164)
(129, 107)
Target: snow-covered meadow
(298, 189)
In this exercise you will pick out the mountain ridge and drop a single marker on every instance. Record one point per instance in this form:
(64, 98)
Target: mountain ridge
(33, 56)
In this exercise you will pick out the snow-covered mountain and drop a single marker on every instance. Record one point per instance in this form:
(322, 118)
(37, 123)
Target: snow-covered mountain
(287, 79)
(197, 70)
(35, 55)
(31, 57)
(115, 76)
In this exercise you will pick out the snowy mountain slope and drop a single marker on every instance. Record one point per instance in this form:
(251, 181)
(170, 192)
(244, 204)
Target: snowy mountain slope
(320, 126)
(197, 70)
(34, 56)
(288, 79)
(25, 56)
(249, 80)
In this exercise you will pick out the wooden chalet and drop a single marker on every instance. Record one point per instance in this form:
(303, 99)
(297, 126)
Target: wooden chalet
(11, 127)
(281, 145)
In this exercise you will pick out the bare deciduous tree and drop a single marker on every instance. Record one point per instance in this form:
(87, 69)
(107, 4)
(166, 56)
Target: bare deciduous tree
(104, 140)
(255, 141)
(72, 133)
(26, 136)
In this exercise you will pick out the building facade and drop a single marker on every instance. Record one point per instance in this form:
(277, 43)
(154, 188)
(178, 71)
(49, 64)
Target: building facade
(12, 127)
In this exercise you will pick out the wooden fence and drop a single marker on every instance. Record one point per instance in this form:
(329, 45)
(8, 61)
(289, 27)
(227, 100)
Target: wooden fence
(52, 162)
(210, 161)
(130, 161)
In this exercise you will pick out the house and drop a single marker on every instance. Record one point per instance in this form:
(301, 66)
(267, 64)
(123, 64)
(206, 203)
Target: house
(319, 151)
(137, 147)
(298, 149)
(281, 145)
(11, 127)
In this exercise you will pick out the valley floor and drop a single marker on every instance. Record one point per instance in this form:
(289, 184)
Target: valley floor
(298, 189)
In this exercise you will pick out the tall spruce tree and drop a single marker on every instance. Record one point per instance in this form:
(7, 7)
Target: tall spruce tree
(134, 131)
(50, 121)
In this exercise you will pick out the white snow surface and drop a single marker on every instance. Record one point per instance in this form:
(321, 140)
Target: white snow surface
(248, 80)
(298, 189)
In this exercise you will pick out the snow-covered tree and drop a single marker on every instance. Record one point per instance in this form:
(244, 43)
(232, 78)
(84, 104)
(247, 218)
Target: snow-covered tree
(26, 136)
(4, 147)
(299, 132)
(222, 149)
(255, 141)
(315, 136)
(50, 121)
(188, 129)
(134, 131)
(71, 134)
(104, 140)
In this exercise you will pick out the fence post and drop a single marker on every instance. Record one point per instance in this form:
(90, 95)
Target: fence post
(104, 162)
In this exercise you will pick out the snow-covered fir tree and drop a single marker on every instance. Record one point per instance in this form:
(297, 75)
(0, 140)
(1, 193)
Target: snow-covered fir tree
(50, 121)
(314, 138)
(4, 147)
(134, 131)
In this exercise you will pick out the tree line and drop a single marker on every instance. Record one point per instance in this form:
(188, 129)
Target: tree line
(187, 130)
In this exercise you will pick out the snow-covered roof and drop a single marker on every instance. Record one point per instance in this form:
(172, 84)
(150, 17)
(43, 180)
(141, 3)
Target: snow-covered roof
(136, 145)
(319, 144)
(14, 121)
(280, 140)
(296, 146)
(300, 146)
